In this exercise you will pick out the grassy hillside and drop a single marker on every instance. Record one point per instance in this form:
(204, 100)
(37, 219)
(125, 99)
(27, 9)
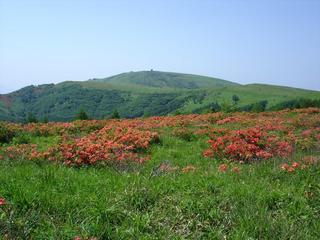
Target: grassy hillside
(156, 79)
(154, 178)
(248, 94)
(136, 94)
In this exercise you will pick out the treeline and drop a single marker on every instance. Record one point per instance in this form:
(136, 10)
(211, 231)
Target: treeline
(296, 103)
(259, 106)
(172, 103)
(81, 115)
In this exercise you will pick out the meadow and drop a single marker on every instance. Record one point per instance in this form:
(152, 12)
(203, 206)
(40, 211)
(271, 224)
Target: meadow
(200, 176)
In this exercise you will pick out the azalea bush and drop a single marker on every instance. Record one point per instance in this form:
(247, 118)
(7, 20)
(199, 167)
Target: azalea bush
(107, 145)
(236, 136)
(272, 135)
(248, 144)
(7, 132)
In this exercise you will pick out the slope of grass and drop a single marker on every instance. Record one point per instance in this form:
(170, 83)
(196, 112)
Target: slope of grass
(249, 94)
(165, 80)
(261, 202)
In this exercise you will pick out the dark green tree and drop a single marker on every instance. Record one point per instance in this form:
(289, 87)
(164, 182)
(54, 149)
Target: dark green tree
(146, 114)
(32, 118)
(45, 119)
(226, 107)
(82, 115)
(259, 106)
(115, 115)
(176, 112)
(215, 107)
(235, 99)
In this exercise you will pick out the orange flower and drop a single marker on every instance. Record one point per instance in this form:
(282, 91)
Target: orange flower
(236, 169)
(208, 153)
(2, 201)
(291, 169)
(223, 167)
(285, 166)
(295, 165)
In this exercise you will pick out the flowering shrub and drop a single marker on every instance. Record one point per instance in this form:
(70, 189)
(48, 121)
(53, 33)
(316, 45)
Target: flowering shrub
(108, 144)
(248, 144)
(7, 132)
(271, 135)
(240, 137)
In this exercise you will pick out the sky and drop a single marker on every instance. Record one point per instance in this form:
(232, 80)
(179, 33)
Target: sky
(49, 41)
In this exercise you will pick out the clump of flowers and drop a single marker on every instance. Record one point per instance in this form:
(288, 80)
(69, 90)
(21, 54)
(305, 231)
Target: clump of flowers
(108, 145)
(224, 168)
(291, 168)
(260, 137)
(247, 145)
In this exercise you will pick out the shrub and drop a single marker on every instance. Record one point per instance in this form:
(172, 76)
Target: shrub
(296, 103)
(32, 118)
(115, 115)
(21, 138)
(82, 115)
(248, 144)
(235, 99)
(6, 134)
(184, 133)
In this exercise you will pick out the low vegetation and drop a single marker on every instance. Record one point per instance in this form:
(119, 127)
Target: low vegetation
(211, 176)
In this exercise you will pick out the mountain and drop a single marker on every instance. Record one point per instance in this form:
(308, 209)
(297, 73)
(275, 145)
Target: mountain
(136, 94)
(156, 79)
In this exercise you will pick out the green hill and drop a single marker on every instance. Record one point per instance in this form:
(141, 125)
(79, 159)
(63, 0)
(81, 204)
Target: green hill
(136, 94)
(156, 79)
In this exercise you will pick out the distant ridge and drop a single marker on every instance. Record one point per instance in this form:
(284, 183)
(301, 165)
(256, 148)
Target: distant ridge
(159, 79)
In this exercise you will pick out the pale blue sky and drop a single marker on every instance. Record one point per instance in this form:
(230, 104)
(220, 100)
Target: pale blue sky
(44, 41)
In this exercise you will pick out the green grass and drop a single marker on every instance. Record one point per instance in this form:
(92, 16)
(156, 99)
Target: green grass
(157, 79)
(49, 201)
(249, 94)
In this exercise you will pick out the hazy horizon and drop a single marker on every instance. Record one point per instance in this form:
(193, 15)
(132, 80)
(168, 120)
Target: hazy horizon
(273, 42)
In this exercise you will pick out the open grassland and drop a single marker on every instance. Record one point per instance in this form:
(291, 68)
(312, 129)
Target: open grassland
(211, 176)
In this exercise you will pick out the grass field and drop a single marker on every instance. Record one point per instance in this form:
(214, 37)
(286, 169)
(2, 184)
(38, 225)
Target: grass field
(179, 193)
